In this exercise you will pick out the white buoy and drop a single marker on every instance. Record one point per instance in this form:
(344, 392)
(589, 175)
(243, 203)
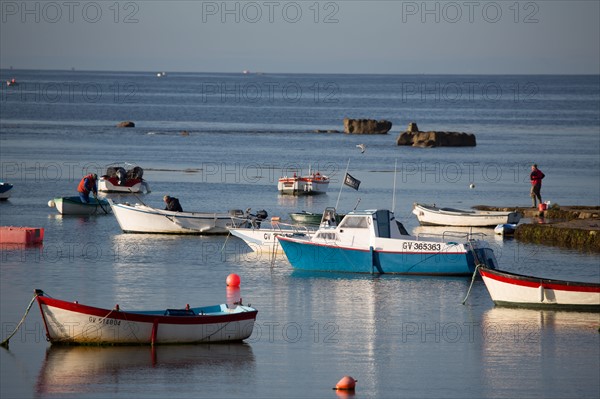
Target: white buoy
(472, 186)
(51, 204)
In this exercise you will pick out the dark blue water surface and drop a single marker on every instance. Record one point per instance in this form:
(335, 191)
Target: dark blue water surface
(399, 336)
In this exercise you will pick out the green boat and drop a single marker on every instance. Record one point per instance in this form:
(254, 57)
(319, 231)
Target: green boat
(314, 219)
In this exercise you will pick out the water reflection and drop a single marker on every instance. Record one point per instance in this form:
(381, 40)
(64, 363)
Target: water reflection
(82, 369)
(530, 347)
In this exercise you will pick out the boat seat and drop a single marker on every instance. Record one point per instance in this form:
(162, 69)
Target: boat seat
(179, 312)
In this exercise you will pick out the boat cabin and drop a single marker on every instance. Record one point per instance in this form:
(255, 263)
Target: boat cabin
(360, 227)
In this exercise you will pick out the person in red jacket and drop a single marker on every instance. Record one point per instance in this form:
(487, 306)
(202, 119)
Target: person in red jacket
(536, 177)
(87, 185)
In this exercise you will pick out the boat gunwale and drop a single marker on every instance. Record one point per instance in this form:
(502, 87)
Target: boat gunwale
(183, 215)
(304, 241)
(246, 313)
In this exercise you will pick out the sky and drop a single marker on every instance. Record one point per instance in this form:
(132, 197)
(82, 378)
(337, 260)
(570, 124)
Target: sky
(386, 37)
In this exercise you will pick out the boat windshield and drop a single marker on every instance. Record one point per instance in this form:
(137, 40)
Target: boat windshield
(355, 222)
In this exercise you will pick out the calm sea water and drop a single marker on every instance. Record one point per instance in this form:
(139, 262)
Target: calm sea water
(399, 336)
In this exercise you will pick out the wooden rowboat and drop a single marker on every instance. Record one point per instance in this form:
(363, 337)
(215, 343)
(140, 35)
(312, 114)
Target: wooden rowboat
(72, 323)
(509, 289)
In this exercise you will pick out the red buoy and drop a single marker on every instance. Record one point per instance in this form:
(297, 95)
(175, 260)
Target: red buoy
(347, 383)
(233, 280)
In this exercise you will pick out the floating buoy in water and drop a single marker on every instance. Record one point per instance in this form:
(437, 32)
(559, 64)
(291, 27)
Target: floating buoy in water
(51, 204)
(347, 383)
(472, 185)
(233, 280)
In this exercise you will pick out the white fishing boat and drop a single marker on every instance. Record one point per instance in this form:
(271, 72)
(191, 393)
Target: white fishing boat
(140, 218)
(118, 179)
(431, 215)
(263, 238)
(509, 289)
(312, 183)
(74, 206)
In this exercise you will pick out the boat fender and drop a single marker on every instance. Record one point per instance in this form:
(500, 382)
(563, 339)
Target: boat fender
(51, 204)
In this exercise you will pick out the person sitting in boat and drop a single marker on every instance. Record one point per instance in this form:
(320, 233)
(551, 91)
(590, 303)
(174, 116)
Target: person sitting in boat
(172, 204)
(87, 185)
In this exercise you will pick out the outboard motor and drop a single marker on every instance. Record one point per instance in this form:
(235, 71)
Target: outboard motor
(262, 215)
(121, 175)
(135, 173)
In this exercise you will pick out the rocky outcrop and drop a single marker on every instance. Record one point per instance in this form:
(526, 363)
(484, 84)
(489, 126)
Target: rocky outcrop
(366, 126)
(126, 124)
(412, 136)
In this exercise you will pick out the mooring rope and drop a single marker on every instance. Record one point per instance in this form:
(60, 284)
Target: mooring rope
(5, 342)
(472, 281)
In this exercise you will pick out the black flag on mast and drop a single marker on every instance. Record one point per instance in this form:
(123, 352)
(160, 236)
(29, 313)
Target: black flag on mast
(351, 181)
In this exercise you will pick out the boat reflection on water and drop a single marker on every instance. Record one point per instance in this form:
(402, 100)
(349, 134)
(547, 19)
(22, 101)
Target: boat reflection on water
(531, 325)
(519, 345)
(80, 369)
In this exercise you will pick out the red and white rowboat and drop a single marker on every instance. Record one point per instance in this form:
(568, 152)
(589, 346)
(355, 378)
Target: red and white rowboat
(72, 323)
(508, 289)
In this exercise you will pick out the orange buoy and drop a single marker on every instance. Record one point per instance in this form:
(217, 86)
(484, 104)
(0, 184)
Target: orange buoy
(347, 383)
(233, 280)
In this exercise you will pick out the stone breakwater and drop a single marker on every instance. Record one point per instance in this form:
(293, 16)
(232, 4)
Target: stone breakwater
(576, 227)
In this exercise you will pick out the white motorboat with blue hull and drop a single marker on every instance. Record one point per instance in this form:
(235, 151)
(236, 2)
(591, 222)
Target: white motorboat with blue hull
(373, 241)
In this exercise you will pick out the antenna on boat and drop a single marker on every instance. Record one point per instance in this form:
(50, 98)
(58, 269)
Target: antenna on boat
(342, 185)
(394, 192)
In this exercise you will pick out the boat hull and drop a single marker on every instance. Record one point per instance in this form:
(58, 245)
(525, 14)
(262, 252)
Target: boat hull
(144, 219)
(265, 239)
(5, 191)
(306, 185)
(74, 206)
(505, 229)
(440, 259)
(311, 219)
(131, 186)
(21, 235)
(72, 323)
(508, 289)
(432, 216)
